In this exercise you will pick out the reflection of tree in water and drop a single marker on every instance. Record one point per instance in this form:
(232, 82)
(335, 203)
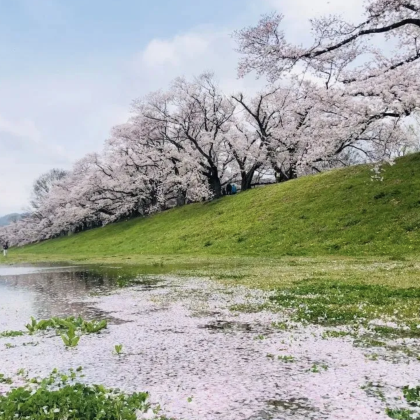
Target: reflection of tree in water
(61, 293)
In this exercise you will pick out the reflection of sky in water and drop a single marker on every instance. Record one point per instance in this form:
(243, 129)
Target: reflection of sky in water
(16, 271)
(45, 292)
(15, 307)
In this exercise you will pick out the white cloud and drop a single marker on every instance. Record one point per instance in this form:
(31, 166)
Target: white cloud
(175, 51)
(191, 54)
(21, 128)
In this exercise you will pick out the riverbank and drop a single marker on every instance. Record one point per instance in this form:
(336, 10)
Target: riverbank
(259, 272)
(332, 288)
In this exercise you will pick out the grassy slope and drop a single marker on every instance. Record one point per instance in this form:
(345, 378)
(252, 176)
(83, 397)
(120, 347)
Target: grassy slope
(339, 212)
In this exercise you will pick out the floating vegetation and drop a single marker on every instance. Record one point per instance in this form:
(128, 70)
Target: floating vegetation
(284, 326)
(70, 339)
(260, 337)
(412, 397)
(87, 327)
(317, 368)
(335, 334)
(71, 324)
(286, 359)
(62, 396)
(5, 334)
(93, 326)
(118, 349)
(9, 345)
(4, 379)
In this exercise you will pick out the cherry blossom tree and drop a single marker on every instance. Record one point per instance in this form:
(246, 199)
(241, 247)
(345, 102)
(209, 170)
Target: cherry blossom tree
(153, 164)
(338, 44)
(363, 94)
(199, 121)
(42, 186)
(279, 116)
(194, 118)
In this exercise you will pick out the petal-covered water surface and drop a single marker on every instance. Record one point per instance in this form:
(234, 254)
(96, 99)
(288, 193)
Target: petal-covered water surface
(198, 358)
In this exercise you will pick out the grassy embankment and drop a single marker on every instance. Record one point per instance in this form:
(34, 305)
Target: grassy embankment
(340, 213)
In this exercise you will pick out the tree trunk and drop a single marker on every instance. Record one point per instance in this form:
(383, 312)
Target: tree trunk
(281, 176)
(215, 186)
(214, 181)
(247, 178)
(286, 175)
(180, 198)
(292, 172)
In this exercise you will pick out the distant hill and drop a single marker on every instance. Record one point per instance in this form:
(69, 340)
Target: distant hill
(9, 218)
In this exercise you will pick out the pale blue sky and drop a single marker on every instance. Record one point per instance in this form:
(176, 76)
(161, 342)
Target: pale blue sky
(52, 34)
(70, 68)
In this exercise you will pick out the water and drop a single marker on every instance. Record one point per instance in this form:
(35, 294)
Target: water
(44, 292)
(183, 344)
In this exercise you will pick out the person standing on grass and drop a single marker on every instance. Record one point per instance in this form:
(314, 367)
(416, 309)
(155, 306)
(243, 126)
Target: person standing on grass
(5, 248)
(228, 189)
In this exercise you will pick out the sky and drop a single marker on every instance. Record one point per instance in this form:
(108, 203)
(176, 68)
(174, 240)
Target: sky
(70, 69)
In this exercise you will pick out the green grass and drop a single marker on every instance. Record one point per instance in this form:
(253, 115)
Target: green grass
(341, 212)
(337, 303)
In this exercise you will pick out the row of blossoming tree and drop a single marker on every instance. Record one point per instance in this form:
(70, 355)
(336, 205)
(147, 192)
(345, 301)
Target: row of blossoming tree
(349, 97)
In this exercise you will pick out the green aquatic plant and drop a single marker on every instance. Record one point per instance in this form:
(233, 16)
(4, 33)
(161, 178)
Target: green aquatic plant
(61, 396)
(5, 380)
(71, 339)
(118, 349)
(5, 334)
(88, 327)
(259, 337)
(334, 334)
(32, 326)
(316, 368)
(40, 325)
(9, 345)
(284, 326)
(286, 359)
(67, 327)
(94, 326)
(412, 397)
(333, 303)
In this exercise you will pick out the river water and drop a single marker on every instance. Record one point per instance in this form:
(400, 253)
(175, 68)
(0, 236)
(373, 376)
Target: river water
(198, 359)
